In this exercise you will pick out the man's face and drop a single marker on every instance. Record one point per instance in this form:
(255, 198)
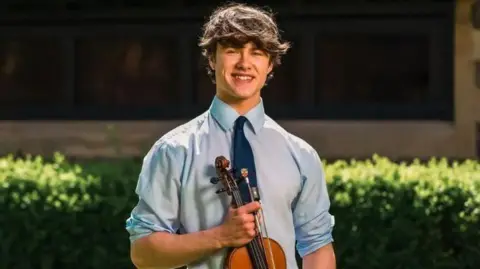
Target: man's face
(240, 73)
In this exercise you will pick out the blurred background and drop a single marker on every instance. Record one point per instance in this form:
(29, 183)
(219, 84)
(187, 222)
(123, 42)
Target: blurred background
(394, 77)
(86, 87)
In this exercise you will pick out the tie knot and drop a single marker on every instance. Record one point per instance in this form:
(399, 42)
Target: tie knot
(239, 123)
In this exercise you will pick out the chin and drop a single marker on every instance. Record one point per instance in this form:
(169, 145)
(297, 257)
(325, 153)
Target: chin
(244, 94)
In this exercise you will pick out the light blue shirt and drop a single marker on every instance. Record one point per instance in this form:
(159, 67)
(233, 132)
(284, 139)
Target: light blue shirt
(175, 192)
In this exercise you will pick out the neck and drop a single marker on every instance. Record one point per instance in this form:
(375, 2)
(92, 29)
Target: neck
(242, 106)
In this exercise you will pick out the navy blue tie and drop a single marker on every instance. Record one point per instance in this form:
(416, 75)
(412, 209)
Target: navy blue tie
(243, 158)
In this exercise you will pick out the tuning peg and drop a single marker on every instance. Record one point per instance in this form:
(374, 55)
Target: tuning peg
(220, 191)
(214, 180)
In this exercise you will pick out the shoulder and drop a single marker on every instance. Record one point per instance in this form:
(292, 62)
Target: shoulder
(301, 150)
(294, 142)
(176, 143)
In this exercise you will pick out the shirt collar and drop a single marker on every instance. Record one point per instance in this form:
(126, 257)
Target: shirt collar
(226, 116)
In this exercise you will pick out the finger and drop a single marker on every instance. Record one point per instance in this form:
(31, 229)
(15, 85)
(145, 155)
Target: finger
(252, 232)
(249, 208)
(231, 211)
(246, 218)
(250, 229)
(250, 226)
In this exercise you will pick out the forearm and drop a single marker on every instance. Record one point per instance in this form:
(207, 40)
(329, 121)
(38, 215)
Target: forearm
(164, 250)
(323, 258)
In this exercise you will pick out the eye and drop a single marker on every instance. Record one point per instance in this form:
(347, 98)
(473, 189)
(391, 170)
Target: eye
(258, 53)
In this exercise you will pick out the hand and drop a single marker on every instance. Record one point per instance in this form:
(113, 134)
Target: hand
(239, 228)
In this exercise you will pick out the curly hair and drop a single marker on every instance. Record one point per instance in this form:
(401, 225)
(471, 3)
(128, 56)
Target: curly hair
(237, 24)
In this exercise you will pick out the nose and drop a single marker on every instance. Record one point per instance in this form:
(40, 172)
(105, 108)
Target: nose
(244, 60)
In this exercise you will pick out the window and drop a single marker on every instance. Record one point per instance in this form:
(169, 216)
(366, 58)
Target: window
(30, 72)
(388, 64)
(204, 89)
(283, 89)
(114, 72)
(372, 68)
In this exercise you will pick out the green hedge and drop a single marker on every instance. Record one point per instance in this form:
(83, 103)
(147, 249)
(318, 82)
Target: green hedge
(58, 214)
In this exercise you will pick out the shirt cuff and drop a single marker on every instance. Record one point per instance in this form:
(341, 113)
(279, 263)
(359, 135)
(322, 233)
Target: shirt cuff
(316, 241)
(321, 241)
(138, 228)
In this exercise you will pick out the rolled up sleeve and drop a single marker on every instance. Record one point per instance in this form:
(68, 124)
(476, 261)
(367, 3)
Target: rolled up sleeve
(312, 220)
(158, 194)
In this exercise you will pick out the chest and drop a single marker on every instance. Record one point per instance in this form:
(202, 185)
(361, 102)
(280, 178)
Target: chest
(278, 180)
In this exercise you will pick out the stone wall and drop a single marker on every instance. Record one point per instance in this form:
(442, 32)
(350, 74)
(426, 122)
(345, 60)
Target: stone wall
(475, 16)
(405, 139)
(467, 93)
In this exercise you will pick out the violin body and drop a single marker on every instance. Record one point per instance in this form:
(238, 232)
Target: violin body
(238, 258)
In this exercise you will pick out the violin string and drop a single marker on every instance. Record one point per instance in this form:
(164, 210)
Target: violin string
(235, 191)
(256, 252)
(261, 236)
(262, 253)
(269, 244)
(259, 227)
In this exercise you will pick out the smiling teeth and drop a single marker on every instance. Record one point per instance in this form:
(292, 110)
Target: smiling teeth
(243, 77)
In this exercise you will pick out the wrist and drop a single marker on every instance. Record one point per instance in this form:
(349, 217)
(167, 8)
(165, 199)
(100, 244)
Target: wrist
(216, 236)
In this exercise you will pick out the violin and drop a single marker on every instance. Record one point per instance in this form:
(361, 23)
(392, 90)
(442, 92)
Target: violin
(261, 252)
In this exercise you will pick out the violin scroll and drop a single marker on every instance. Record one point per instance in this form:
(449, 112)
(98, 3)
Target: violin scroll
(224, 175)
(221, 163)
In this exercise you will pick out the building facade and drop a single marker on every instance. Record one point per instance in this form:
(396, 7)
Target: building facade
(399, 80)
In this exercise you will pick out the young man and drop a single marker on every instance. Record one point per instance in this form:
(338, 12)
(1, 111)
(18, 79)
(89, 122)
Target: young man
(242, 46)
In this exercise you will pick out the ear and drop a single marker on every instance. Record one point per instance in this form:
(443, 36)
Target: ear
(270, 68)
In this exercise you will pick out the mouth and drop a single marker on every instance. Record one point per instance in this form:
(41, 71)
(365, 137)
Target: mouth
(242, 77)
